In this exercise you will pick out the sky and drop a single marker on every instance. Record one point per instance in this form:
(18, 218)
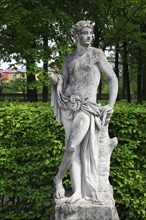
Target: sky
(5, 65)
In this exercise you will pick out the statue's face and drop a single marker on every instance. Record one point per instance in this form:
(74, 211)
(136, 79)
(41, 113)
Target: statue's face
(85, 36)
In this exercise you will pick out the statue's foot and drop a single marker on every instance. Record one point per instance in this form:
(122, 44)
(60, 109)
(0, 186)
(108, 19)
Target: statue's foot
(60, 192)
(75, 197)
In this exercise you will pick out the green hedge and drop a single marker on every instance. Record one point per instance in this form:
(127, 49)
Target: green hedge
(128, 163)
(31, 146)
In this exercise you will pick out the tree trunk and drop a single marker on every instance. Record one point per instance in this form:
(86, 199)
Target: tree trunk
(31, 79)
(144, 80)
(126, 80)
(45, 86)
(117, 65)
(97, 35)
(45, 67)
(142, 63)
(142, 54)
(139, 82)
(139, 89)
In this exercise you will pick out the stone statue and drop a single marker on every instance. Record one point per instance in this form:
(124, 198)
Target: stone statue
(88, 145)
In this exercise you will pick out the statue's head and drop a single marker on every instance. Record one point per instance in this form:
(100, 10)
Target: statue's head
(83, 32)
(79, 26)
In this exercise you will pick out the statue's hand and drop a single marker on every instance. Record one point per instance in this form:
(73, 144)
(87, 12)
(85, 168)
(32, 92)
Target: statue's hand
(53, 78)
(107, 112)
(107, 108)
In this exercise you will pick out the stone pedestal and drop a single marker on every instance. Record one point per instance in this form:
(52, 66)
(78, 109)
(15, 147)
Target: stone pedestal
(83, 210)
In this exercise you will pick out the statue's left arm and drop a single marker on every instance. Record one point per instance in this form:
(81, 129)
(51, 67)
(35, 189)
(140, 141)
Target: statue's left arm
(106, 69)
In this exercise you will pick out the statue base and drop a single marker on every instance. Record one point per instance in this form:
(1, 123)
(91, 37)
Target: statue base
(83, 210)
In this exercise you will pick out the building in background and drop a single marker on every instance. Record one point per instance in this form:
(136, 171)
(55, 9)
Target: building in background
(10, 74)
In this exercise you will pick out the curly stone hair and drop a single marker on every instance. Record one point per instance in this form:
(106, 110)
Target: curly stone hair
(76, 29)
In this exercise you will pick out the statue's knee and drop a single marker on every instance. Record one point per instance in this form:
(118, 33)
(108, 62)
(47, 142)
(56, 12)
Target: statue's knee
(83, 118)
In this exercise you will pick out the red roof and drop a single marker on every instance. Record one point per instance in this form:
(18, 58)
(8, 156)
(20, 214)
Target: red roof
(3, 76)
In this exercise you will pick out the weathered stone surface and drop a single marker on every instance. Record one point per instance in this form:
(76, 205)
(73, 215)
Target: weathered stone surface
(88, 145)
(83, 210)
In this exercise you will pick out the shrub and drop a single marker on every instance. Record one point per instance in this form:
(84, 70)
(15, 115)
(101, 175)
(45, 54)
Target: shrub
(31, 147)
(128, 161)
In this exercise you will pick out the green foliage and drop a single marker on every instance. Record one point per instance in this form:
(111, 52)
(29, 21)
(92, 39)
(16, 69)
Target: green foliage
(40, 31)
(128, 161)
(17, 85)
(31, 147)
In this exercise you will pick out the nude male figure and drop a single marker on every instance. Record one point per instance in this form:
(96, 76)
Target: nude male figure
(81, 73)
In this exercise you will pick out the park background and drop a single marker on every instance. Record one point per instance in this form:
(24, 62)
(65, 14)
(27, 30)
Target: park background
(34, 38)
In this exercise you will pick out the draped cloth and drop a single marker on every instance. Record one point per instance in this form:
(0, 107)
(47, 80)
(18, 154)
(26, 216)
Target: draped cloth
(89, 145)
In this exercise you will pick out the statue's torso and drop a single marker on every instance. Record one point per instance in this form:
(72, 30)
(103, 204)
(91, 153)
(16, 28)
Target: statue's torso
(83, 77)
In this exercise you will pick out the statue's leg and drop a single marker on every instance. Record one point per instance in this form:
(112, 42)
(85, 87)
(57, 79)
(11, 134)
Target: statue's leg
(75, 168)
(79, 129)
(75, 172)
(60, 191)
